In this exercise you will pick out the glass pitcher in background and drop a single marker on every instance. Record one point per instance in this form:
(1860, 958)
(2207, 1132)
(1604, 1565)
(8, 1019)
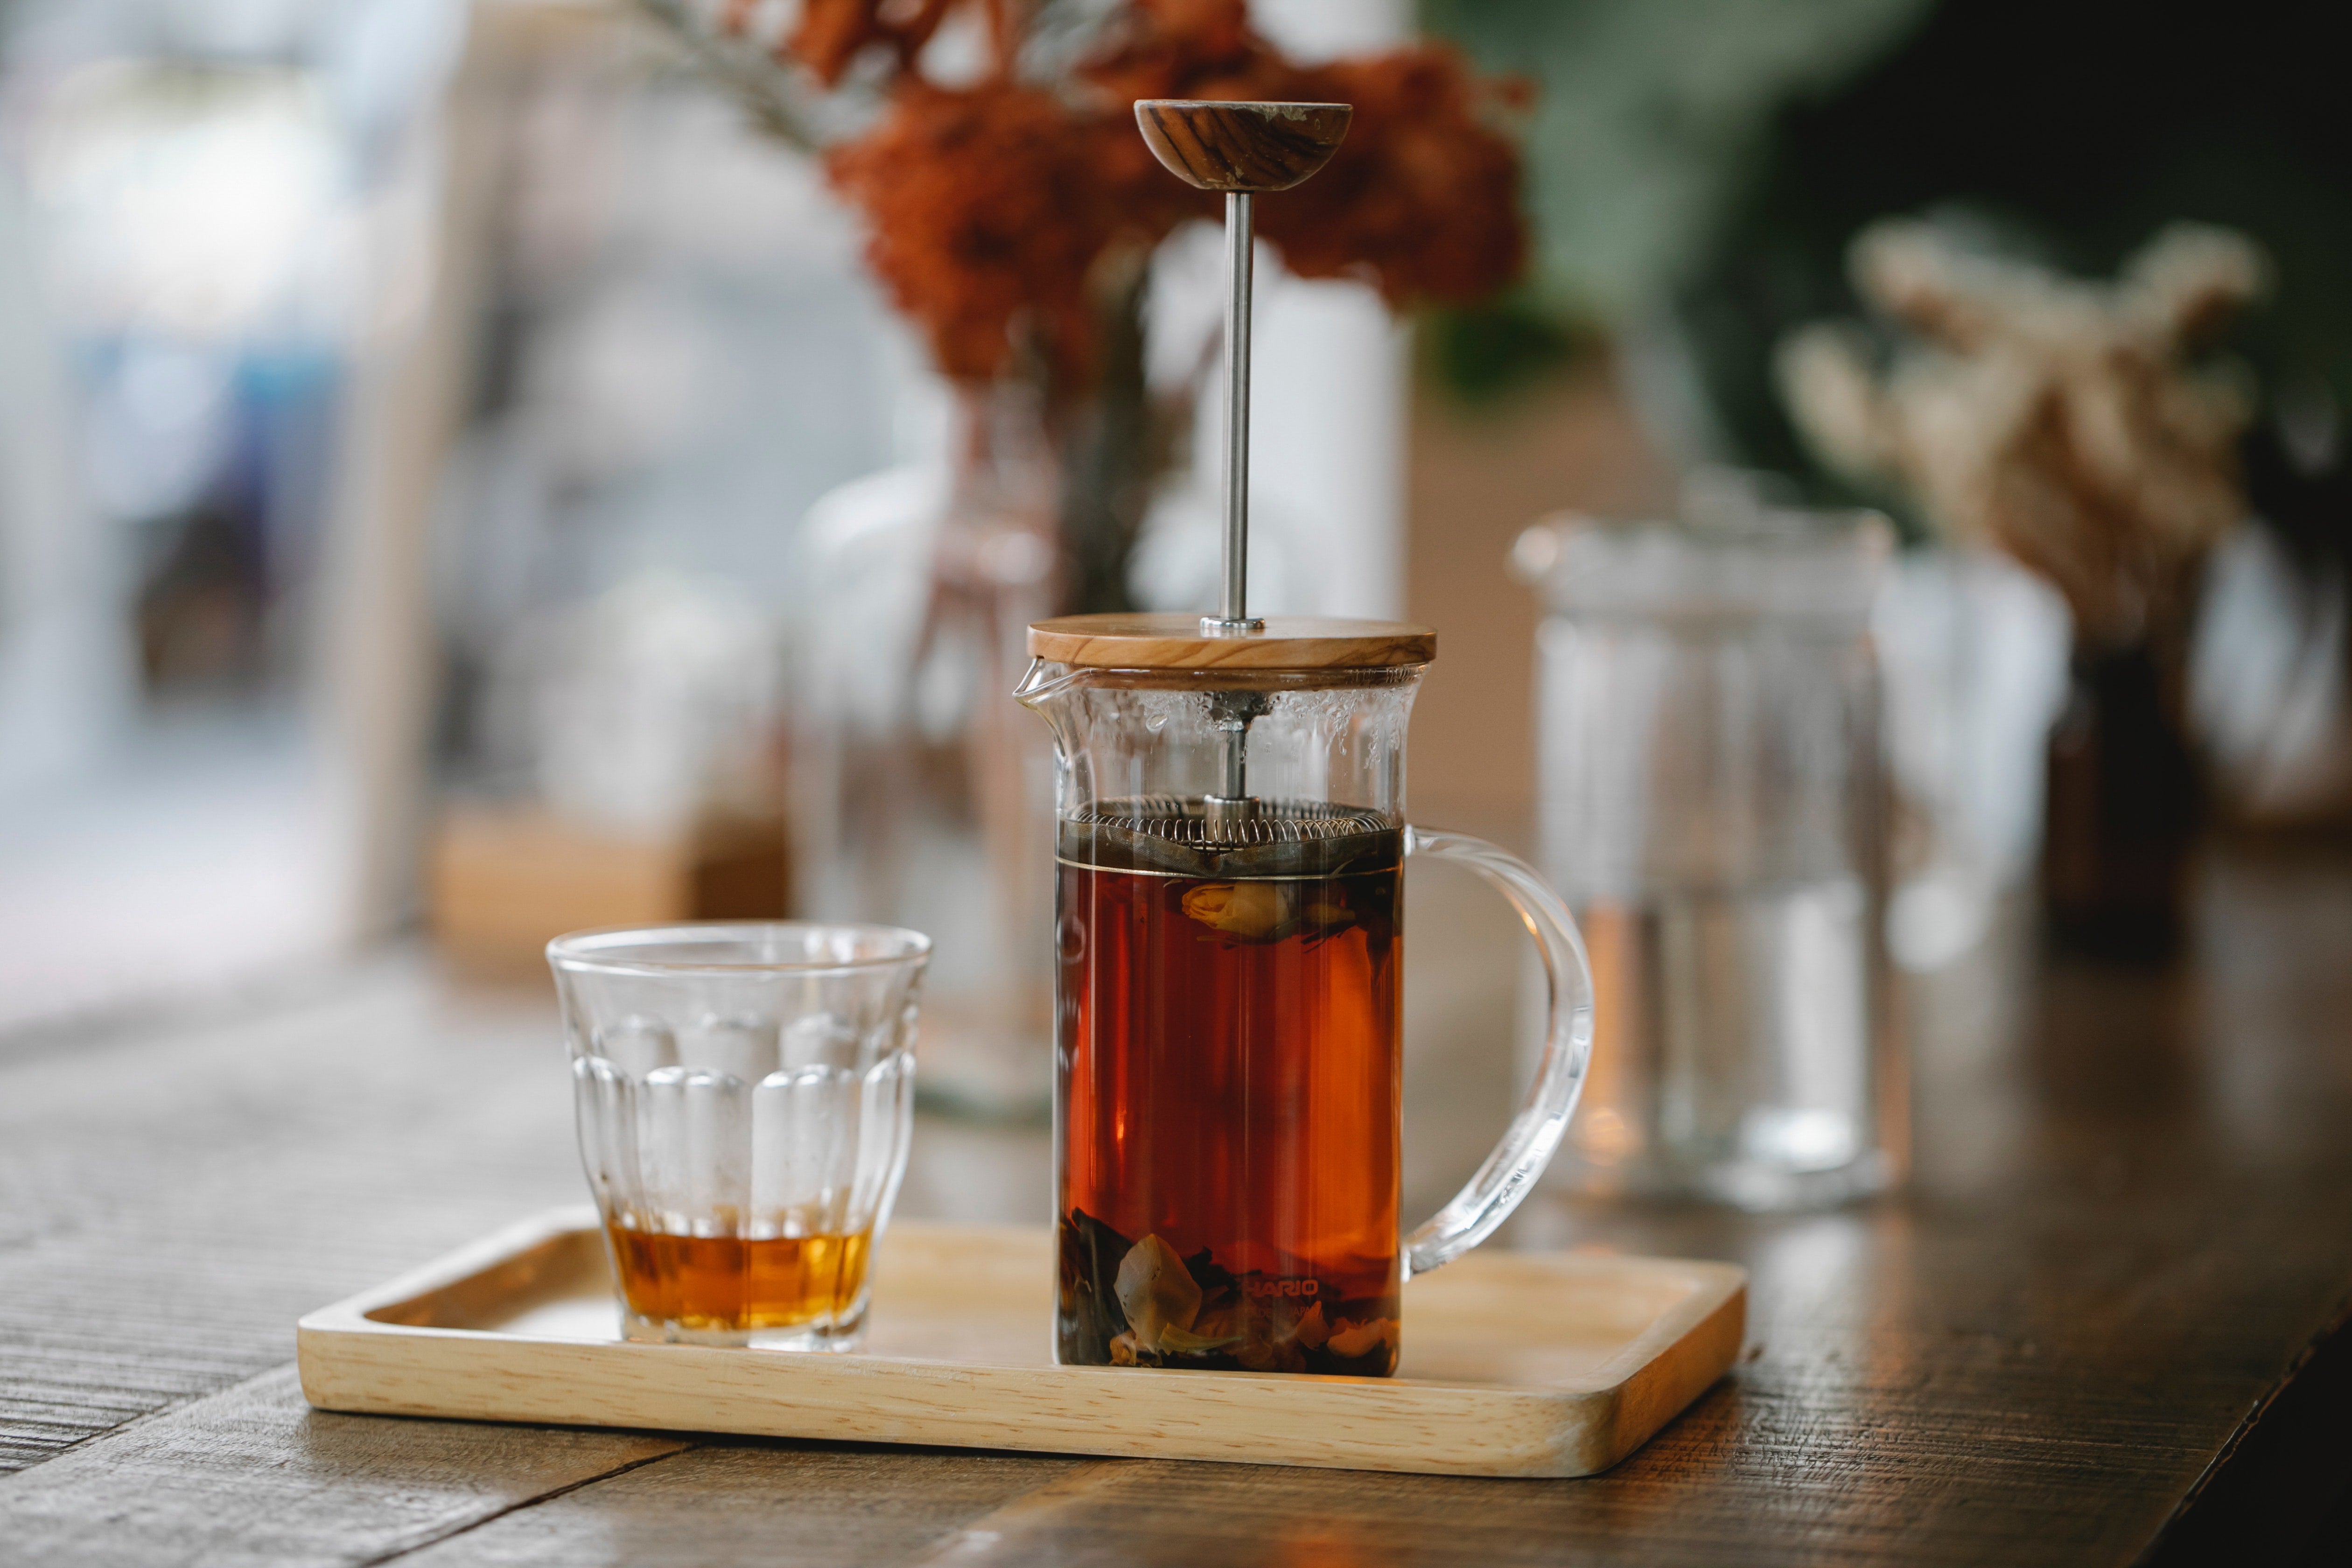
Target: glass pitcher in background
(1714, 807)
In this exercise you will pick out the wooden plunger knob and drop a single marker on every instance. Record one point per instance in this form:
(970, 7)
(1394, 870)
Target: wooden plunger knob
(1242, 146)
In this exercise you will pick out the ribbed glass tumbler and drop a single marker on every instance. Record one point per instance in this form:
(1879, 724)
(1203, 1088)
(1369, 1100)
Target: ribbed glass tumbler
(745, 1095)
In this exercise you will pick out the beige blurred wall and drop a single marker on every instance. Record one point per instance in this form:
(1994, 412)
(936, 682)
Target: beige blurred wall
(1476, 476)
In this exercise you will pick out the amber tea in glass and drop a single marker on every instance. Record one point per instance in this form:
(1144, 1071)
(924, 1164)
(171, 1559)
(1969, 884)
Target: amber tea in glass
(1232, 850)
(730, 1285)
(744, 1096)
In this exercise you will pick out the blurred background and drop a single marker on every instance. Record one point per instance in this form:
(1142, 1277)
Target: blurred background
(467, 470)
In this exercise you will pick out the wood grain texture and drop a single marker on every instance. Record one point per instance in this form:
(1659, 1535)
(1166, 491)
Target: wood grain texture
(254, 1477)
(1233, 146)
(1523, 1364)
(761, 1505)
(172, 1200)
(2134, 1215)
(1300, 643)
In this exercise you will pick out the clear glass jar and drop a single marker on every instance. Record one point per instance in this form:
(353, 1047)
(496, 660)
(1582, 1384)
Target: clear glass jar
(1712, 807)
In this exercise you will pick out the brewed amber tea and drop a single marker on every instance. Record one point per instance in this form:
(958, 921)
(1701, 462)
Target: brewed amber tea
(717, 1282)
(1228, 1110)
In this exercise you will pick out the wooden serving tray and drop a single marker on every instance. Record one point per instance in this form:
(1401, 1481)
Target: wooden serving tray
(1514, 1363)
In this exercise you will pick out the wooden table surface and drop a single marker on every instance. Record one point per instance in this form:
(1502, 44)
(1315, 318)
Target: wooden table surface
(2097, 1329)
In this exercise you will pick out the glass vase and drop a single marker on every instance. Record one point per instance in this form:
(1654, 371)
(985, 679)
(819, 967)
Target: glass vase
(922, 795)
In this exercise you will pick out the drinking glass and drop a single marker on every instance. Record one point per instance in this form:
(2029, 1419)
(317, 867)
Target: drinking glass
(1713, 808)
(744, 1094)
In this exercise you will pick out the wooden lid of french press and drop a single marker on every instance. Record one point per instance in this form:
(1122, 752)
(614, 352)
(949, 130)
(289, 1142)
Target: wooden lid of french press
(1181, 642)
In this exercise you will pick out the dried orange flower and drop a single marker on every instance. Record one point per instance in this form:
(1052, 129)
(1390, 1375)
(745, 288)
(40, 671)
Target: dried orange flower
(989, 206)
(830, 35)
(985, 212)
(1422, 199)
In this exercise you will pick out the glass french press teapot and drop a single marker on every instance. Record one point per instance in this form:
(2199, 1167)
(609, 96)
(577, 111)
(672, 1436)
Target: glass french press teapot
(1231, 845)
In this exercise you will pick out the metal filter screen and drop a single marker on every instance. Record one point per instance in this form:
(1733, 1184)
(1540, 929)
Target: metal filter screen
(1181, 821)
(1173, 834)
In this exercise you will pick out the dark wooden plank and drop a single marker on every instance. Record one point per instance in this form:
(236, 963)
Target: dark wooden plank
(762, 1504)
(256, 1479)
(169, 1203)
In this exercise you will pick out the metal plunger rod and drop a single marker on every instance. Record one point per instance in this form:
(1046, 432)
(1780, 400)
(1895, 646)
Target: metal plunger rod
(1232, 607)
(1232, 604)
(1239, 149)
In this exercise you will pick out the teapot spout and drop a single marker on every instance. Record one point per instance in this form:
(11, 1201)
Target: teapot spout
(1045, 681)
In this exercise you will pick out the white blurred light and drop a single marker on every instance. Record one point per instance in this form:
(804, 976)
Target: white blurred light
(198, 201)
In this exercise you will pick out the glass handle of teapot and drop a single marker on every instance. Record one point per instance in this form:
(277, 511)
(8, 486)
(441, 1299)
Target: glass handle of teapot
(1510, 1171)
